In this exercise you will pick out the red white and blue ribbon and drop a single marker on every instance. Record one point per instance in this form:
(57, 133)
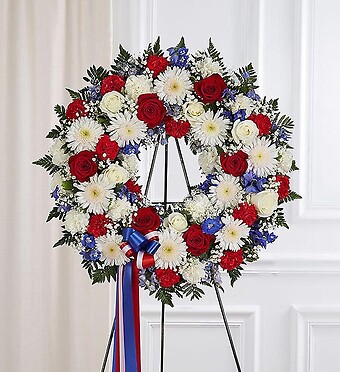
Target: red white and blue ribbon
(140, 248)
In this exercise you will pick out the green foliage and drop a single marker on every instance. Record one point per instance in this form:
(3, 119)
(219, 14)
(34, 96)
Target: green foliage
(181, 43)
(46, 163)
(287, 123)
(61, 113)
(106, 273)
(95, 75)
(193, 291)
(292, 196)
(67, 239)
(56, 213)
(215, 55)
(82, 94)
(247, 77)
(164, 295)
(234, 275)
(294, 167)
(280, 219)
(123, 60)
(55, 132)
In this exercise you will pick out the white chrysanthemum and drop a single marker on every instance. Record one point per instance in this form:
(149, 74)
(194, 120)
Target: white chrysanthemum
(84, 134)
(208, 160)
(120, 209)
(210, 129)
(57, 180)
(172, 250)
(230, 236)
(95, 195)
(126, 129)
(58, 154)
(193, 271)
(112, 254)
(286, 160)
(226, 191)
(173, 85)
(76, 221)
(137, 85)
(208, 67)
(130, 163)
(199, 207)
(262, 157)
(242, 102)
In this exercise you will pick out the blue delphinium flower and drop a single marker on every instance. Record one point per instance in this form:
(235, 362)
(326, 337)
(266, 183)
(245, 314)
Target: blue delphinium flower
(212, 225)
(252, 183)
(205, 185)
(173, 109)
(130, 149)
(88, 241)
(148, 279)
(212, 274)
(94, 92)
(55, 193)
(64, 207)
(178, 56)
(239, 115)
(229, 93)
(124, 192)
(91, 254)
(261, 238)
(252, 94)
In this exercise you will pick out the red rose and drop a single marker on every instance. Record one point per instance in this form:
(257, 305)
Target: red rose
(211, 88)
(235, 164)
(146, 220)
(230, 260)
(246, 213)
(150, 109)
(82, 165)
(76, 109)
(284, 187)
(98, 225)
(262, 122)
(197, 241)
(157, 64)
(167, 277)
(107, 149)
(133, 187)
(176, 128)
(110, 83)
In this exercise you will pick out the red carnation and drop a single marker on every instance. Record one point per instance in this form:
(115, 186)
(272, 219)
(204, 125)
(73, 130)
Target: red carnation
(82, 165)
(235, 164)
(112, 82)
(167, 277)
(211, 88)
(150, 109)
(284, 187)
(246, 213)
(262, 122)
(107, 149)
(133, 187)
(176, 128)
(98, 225)
(230, 260)
(157, 64)
(146, 220)
(197, 241)
(76, 109)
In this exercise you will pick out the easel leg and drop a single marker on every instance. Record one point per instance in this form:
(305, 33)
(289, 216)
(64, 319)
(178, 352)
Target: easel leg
(107, 352)
(224, 316)
(162, 338)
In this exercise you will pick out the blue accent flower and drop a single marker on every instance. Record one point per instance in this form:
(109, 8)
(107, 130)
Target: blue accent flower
(94, 92)
(130, 149)
(212, 225)
(262, 238)
(95, 255)
(252, 94)
(88, 241)
(240, 114)
(178, 56)
(229, 93)
(252, 183)
(55, 193)
(124, 192)
(205, 185)
(212, 274)
(64, 207)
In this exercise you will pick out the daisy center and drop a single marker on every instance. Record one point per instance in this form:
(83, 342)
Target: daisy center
(85, 133)
(210, 128)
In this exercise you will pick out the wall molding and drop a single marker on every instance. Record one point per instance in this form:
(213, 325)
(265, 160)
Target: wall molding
(245, 319)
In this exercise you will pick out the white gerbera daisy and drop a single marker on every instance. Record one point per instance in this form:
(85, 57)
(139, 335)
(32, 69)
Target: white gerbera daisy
(112, 254)
(262, 156)
(173, 85)
(211, 129)
(126, 129)
(84, 134)
(172, 250)
(226, 191)
(230, 236)
(95, 195)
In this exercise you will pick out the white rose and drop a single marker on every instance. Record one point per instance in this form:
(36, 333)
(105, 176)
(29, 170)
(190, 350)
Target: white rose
(244, 131)
(242, 102)
(193, 111)
(112, 102)
(208, 160)
(130, 163)
(285, 161)
(265, 202)
(208, 67)
(137, 85)
(116, 174)
(193, 272)
(177, 221)
(58, 154)
(76, 221)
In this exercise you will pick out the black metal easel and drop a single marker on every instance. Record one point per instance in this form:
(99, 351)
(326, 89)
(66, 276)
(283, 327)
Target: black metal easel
(165, 204)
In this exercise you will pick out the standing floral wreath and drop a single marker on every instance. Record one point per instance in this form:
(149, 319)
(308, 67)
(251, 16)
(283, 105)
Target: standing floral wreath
(243, 153)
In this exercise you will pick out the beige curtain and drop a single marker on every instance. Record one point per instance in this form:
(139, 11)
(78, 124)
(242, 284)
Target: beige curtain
(52, 319)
